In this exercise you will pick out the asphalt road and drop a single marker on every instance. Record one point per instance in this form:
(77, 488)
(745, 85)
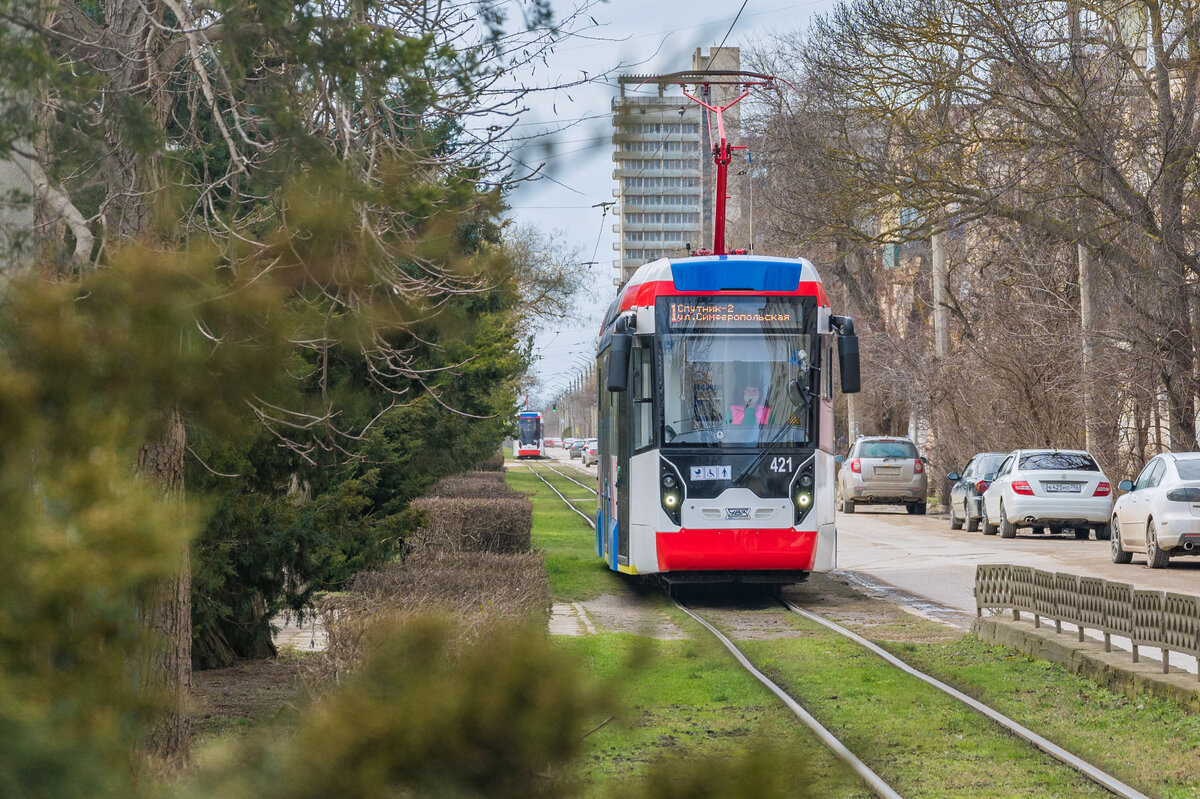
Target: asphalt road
(923, 556)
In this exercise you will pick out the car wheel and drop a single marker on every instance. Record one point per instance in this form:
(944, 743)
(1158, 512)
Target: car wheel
(1007, 528)
(1081, 533)
(847, 506)
(955, 522)
(972, 523)
(1155, 557)
(1119, 555)
(916, 508)
(988, 528)
(1101, 531)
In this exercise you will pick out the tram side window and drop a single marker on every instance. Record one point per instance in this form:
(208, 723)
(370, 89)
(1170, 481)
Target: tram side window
(642, 395)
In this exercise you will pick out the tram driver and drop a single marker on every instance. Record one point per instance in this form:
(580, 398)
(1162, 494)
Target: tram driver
(752, 412)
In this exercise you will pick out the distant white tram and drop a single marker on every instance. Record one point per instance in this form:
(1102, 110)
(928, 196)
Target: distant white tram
(716, 425)
(529, 442)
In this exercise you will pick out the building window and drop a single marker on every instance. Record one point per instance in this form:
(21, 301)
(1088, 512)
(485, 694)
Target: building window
(891, 255)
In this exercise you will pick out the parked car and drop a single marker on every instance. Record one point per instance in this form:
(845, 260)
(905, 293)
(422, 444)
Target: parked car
(566, 443)
(1051, 489)
(553, 442)
(591, 452)
(882, 470)
(576, 449)
(966, 495)
(1160, 516)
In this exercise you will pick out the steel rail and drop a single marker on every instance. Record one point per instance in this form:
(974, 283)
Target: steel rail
(573, 480)
(591, 522)
(1106, 781)
(873, 780)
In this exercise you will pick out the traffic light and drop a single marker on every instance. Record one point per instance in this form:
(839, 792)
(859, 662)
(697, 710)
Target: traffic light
(554, 408)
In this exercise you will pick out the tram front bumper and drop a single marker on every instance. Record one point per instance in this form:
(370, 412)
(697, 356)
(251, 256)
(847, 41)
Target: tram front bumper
(750, 549)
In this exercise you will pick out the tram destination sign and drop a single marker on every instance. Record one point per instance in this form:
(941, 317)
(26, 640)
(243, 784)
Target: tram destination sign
(747, 313)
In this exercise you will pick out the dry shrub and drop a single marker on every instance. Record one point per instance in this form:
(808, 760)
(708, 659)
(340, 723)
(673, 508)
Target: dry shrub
(474, 588)
(473, 485)
(501, 524)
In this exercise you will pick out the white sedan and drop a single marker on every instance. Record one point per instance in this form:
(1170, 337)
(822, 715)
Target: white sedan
(1160, 515)
(1048, 489)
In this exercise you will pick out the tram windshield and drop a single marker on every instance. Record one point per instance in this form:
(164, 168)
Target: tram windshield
(726, 375)
(529, 428)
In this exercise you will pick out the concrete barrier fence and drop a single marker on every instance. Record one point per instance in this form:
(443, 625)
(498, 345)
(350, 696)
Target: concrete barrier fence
(1160, 619)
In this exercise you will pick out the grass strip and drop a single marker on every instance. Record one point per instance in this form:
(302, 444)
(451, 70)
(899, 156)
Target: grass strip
(568, 543)
(919, 740)
(688, 699)
(1153, 745)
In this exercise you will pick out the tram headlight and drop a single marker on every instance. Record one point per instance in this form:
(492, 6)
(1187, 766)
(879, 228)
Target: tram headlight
(802, 495)
(670, 493)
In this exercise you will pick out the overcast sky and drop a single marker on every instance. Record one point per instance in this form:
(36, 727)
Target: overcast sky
(633, 36)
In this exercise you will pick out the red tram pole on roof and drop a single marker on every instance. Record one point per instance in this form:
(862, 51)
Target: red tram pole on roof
(722, 150)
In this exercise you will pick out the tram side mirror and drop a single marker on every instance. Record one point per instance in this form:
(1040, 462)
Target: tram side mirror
(848, 361)
(618, 361)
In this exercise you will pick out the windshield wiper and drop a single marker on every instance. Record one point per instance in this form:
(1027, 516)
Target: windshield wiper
(768, 449)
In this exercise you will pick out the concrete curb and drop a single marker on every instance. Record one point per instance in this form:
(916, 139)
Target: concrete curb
(1115, 670)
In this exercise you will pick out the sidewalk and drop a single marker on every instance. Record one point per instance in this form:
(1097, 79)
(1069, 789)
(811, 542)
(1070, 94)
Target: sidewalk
(306, 637)
(1115, 670)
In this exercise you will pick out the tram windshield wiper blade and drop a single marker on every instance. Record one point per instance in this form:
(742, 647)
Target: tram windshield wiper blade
(766, 450)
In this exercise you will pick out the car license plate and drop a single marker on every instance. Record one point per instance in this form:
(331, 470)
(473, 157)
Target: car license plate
(1062, 488)
(887, 470)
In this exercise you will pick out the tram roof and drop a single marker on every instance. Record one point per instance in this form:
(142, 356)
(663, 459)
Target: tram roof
(711, 273)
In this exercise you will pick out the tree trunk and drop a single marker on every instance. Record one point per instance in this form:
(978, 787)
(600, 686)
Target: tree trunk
(168, 614)
(132, 173)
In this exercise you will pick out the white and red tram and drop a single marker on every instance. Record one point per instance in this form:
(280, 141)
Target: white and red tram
(716, 429)
(529, 442)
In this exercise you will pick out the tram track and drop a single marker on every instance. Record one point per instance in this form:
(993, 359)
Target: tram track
(872, 780)
(573, 480)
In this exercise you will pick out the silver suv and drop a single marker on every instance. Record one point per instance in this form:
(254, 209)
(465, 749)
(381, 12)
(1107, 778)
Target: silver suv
(882, 470)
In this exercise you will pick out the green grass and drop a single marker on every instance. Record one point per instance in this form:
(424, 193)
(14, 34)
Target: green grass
(919, 740)
(1150, 743)
(565, 539)
(689, 699)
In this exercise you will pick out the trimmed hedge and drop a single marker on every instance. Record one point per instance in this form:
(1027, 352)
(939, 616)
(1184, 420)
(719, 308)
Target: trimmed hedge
(501, 524)
(476, 589)
(473, 485)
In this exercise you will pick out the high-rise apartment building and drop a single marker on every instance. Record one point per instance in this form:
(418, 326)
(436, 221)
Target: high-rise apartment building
(663, 169)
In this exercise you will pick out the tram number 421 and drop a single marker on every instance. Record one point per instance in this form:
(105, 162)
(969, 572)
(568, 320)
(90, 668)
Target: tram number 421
(781, 464)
